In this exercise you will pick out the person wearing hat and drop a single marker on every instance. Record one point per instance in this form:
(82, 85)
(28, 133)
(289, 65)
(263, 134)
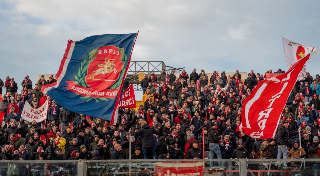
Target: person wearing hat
(13, 115)
(94, 144)
(314, 153)
(72, 147)
(195, 152)
(296, 152)
(283, 140)
(95, 155)
(71, 167)
(84, 154)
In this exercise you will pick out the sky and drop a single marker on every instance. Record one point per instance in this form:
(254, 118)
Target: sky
(208, 34)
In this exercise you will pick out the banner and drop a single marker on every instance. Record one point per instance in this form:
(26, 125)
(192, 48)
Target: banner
(91, 74)
(294, 51)
(30, 114)
(128, 99)
(179, 168)
(262, 110)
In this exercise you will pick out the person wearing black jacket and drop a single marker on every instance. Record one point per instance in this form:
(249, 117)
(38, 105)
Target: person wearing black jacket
(175, 151)
(172, 77)
(66, 117)
(195, 152)
(145, 83)
(194, 75)
(1, 85)
(283, 139)
(147, 140)
(240, 152)
(226, 150)
(12, 87)
(213, 144)
(137, 154)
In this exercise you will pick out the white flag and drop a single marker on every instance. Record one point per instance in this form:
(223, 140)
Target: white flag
(30, 114)
(294, 51)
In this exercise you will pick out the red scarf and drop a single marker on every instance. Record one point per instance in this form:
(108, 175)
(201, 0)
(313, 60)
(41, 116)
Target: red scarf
(11, 84)
(40, 151)
(240, 92)
(183, 74)
(54, 109)
(315, 86)
(302, 126)
(22, 151)
(198, 84)
(164, 88)
(237, 82)
(300, 110)
(210, 110)
(227, 145)
(307, 90)
(226, 112)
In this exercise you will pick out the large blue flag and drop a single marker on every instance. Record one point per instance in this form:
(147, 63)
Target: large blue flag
(91, 74)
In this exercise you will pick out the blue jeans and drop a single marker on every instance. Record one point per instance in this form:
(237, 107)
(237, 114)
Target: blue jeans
(215, 149)
(62, 126)
(307, 99)
(282, 152)
(143, 90)
(147, 151)
(315, 168)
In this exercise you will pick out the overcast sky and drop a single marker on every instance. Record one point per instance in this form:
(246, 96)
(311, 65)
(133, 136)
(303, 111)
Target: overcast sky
(208, 34)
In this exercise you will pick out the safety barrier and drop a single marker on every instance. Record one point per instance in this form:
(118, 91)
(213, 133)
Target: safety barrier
(241, 167)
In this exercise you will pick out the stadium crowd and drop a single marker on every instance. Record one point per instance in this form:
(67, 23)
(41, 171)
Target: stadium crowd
(176, 114)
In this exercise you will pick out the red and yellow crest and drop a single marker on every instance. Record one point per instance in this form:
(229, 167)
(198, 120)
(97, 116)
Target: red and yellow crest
(105, 68)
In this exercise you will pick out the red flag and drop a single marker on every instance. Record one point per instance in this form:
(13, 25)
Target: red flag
(128, 99)
(262, 110)
(2, 114)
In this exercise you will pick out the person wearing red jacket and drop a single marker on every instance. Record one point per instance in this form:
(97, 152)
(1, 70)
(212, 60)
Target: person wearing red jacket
(190, 139)
(15, 106)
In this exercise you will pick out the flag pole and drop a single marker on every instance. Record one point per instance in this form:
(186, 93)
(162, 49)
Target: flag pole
(203, 150)
(300, 136)
(130, 152)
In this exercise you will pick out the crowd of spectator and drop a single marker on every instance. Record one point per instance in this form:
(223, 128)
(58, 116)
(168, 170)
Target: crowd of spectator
(177, 115)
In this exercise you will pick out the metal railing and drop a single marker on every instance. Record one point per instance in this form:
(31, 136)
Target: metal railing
(243, 167)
